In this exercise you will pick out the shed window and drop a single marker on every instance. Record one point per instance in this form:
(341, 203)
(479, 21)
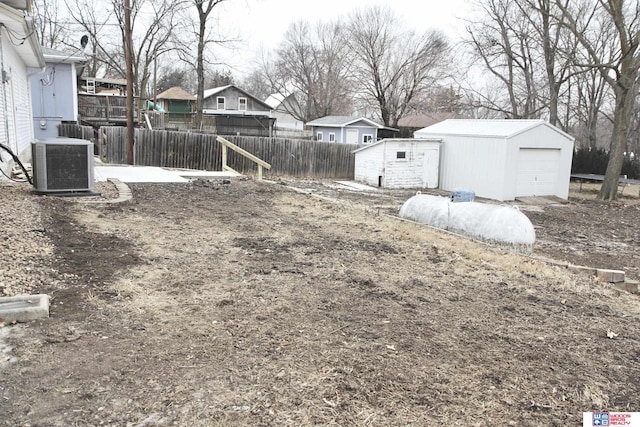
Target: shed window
(319, 136)
(367, 138)
(332, 137)
(220, 104)
(242, 104)
(401, 155)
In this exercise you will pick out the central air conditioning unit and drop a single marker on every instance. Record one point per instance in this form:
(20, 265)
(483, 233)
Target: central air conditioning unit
(62, 165)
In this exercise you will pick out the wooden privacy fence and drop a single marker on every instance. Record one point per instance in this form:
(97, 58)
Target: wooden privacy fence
(287, 157)
(71, 130)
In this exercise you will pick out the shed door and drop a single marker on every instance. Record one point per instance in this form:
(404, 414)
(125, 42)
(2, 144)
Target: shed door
(352, 136)
(537, 173)
(431, 168)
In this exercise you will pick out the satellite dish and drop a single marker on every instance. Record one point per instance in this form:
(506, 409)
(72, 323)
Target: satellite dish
(83, 41)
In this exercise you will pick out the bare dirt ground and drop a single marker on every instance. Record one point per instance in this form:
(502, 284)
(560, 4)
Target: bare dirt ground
(250, 304)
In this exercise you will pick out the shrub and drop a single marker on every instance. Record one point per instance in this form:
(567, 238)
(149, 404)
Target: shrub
(594, 160)
(589, 160)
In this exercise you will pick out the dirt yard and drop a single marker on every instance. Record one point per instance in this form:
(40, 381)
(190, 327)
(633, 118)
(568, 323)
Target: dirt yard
(253, 304)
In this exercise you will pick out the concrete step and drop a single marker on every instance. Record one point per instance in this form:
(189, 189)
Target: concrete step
(23, 308)
(632, 286)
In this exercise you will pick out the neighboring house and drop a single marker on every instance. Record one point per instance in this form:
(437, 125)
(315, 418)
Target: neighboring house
(345, 129)
(237, 112)
(399, 163)
(281, 105)
(176, 100)
(503, 159)
(16, 115)
(409, 124)
(177, 107)
(54, 92)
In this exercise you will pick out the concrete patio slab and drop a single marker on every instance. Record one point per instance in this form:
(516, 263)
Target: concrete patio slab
(151, 174)
(137, 174)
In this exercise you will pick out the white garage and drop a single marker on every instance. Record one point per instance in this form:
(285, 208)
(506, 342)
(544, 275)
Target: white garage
(399, 163)
(503, 159)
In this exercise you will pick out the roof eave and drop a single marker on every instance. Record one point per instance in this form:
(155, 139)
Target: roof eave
(32, 53)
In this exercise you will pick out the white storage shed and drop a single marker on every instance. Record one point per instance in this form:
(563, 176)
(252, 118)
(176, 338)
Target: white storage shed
(503, 159)
(399, 163)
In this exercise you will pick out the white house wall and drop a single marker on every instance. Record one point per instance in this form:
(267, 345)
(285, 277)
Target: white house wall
(16, 121)
(285, 120)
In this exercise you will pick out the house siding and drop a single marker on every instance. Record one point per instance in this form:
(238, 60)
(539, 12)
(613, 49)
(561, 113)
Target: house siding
(16, 98)
(53, 98)
(285, 120)
(341, 133)
(232, 96)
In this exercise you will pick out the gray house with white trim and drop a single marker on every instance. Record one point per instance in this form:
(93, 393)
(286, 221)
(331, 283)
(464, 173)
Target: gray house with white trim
(345, 129)
(234, 111)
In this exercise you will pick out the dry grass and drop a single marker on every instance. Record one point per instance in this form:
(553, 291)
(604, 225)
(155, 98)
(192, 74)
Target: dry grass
(254, 306)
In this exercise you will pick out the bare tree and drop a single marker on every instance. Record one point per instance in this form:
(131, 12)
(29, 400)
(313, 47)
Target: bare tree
(557, 48)
(152, 24)
(201, 27)
(589, 94)
(175, 76)
(48, 18)
(392, 66)
(150, 43)
(502, 39)
(311, 65)
(257, 84)
(97, 24)
(619, 21)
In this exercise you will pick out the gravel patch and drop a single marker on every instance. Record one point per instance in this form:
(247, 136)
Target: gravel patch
(28, 265)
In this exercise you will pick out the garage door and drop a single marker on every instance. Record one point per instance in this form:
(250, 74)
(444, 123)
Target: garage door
(537, 173)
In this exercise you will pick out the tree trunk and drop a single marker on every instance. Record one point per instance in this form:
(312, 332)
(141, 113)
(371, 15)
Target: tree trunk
(128, 49)
(200, 72)
(625, 98)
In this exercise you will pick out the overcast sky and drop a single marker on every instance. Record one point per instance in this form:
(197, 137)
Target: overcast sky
(262, 23)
